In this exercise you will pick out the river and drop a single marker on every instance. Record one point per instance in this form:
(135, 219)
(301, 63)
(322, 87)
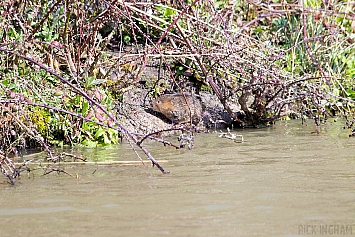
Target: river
(284, 180)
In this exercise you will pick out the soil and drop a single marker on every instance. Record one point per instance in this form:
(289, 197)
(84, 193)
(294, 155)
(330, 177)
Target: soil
(135, 110)
(136, 113)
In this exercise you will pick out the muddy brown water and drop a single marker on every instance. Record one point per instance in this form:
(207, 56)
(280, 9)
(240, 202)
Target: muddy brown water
(282, 181)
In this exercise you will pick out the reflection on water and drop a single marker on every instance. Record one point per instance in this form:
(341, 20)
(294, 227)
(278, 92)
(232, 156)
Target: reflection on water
(282, 181)
(24, 211)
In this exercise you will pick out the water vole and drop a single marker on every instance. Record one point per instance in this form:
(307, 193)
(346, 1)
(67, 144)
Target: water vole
(175, 108)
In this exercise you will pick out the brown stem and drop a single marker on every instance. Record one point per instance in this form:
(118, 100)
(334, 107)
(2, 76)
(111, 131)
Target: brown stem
(34, 133)
(308, 50)
(213, 85)
(43, 20)
(121, 128)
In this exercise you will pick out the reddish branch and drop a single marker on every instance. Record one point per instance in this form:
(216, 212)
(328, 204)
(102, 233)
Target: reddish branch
(120, 127)
(309, 51)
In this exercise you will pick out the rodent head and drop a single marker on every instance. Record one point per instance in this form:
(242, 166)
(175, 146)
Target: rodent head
(162, 104)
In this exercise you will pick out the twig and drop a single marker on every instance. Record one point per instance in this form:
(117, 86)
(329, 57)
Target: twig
(120, 128)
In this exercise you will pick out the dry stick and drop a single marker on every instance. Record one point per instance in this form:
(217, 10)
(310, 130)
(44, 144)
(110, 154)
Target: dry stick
(275, 58)
(145, 136)
(316, 120)
(32, 133)
(252, 22)
(150, 135)
(113, 162)
(138, 11)
(209, 78)
(150, 23)
(169, 33)
(198, 58)
(182, 92)
(143, 57)
(8, 168)
(43, 20)
(298, 8)
(121, 128)
(308, 50)
(58, 171)
(172, 24)
(20, 24)
(135, 151)
(5, 171)
(70, 155)
(164, 35)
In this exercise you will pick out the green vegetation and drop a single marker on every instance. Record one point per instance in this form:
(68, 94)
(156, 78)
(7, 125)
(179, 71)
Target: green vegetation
(275, 60)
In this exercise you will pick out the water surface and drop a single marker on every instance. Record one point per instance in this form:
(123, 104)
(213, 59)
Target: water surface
(283, 180)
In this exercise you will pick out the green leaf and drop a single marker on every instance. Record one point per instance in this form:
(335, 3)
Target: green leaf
(97, 82)
(77, 99)
(85, 108)
(89, 143)
(90, 81)
(336, 91)
(99, 133)
(169, 12)
(350, 92)
(106, 139)
(5, 82)
(126, 38)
